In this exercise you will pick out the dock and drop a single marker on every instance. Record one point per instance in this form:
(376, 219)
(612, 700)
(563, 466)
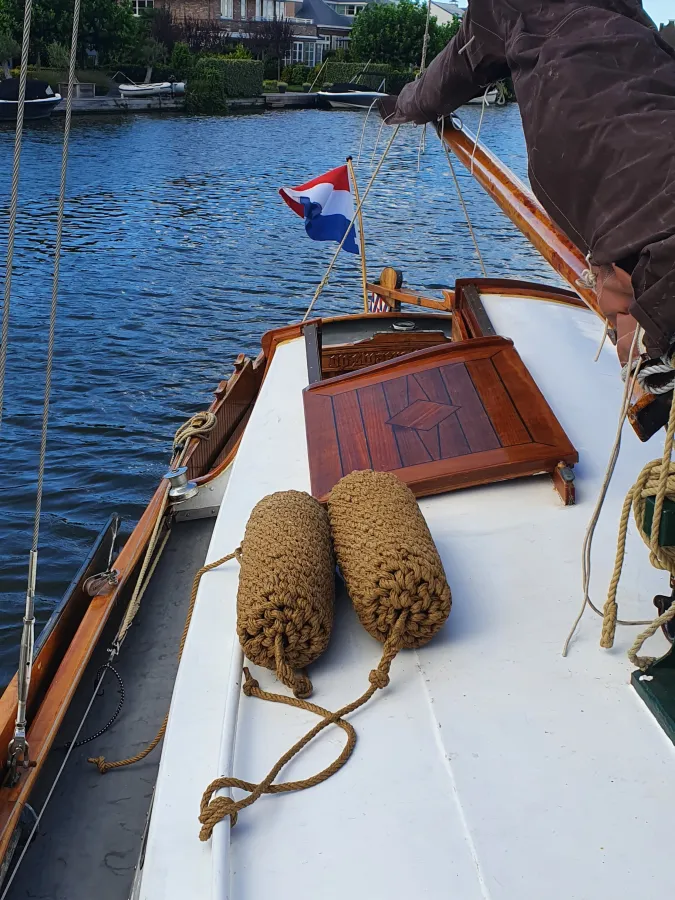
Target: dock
(102, 105)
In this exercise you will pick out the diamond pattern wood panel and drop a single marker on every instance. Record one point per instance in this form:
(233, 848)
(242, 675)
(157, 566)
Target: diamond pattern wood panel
(442, 418)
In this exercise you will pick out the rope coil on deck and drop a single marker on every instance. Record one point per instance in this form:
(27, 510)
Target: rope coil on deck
(657, 479)
(396, 581)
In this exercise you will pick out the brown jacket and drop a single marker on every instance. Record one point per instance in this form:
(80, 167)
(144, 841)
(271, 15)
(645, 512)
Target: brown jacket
(596, 89)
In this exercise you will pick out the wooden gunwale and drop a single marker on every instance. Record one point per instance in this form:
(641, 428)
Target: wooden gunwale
(520, 205)
(74, 657)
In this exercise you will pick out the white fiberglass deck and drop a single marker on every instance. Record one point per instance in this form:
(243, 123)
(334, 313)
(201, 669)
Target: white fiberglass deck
(491, 767)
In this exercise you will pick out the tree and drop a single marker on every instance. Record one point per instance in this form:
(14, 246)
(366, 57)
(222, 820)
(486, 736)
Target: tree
(106, 25)
(8, 50)
(394, 33)
(271, 39)
(58, 55)
(152, 52)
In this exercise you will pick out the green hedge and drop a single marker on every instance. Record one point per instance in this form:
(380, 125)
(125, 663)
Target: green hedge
(206, 94)
(341, 72)
(296, 74)
(238, 77)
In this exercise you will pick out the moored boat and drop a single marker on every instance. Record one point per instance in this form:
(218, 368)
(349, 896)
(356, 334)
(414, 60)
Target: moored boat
(486, 402)
(156, 89)
(349, 96)
(40, 99)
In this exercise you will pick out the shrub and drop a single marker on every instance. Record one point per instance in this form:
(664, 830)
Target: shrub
(296, 74)
(239, 77)
(58, 56)
(340, 72)
(282, 84)
(182, 61)
(240, 52)
(206, 93)
(269, 86)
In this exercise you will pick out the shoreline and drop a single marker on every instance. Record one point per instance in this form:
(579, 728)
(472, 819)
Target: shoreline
(98, 105)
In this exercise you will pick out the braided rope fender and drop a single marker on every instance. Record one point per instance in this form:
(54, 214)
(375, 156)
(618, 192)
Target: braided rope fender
(388, 558)
(286, 586)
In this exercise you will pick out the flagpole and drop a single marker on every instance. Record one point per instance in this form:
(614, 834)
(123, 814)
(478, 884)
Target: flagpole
(364, 274)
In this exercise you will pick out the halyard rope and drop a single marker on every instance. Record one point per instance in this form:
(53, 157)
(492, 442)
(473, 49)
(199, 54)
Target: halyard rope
(14, 201)
(461, 199)
(359, 206)
(609, 472)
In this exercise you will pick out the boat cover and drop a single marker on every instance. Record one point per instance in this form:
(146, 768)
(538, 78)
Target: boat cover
(35, 90)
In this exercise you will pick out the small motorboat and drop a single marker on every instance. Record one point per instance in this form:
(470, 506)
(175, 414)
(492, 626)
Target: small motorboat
(349, 96)
(40, 99)
(157, 89)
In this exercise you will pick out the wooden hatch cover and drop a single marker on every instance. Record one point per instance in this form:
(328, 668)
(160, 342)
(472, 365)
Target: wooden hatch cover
(442, 418)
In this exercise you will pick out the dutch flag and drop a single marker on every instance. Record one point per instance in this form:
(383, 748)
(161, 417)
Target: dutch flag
(326, 204)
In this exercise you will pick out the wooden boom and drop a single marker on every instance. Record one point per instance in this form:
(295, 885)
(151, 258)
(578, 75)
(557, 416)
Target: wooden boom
(647, 414)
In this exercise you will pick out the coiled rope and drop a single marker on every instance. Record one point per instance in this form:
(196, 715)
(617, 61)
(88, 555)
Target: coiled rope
(396, 582)
(657, 479)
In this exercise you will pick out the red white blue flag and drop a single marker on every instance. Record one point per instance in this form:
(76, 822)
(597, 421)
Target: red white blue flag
(376, 303)
(326, 204)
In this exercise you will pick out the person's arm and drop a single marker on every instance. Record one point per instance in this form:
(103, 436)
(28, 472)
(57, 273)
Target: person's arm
(460, 72)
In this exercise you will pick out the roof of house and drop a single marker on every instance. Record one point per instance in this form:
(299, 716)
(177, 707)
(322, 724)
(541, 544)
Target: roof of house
(451, 8)
(321, 14)
(667, 32)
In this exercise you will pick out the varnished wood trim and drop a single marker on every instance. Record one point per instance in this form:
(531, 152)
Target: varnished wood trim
(524, 210)
(391, 296)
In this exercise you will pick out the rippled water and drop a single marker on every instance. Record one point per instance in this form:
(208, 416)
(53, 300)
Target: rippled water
(178, 254)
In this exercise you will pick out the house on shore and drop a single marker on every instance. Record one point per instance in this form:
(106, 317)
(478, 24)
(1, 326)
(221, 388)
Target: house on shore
(318, 26)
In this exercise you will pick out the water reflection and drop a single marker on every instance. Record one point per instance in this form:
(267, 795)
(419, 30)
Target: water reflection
(178, 253)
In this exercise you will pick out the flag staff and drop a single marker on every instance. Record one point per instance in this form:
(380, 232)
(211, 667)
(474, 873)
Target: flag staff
(364, 275)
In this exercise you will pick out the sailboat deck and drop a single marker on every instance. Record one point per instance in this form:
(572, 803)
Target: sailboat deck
(491, 767)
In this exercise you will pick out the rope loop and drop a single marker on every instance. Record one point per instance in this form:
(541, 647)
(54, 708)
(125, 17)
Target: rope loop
(214, 809)
(200, 425)
(657, 479)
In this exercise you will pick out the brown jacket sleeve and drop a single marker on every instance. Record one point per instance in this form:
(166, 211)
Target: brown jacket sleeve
(472, 60)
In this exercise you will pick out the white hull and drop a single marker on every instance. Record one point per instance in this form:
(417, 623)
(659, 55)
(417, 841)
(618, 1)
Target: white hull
(489, 99)
(165, 88)
(491, 767)
(351, 100)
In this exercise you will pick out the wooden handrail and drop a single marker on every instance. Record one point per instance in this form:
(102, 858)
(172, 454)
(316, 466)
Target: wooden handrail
(402, 296)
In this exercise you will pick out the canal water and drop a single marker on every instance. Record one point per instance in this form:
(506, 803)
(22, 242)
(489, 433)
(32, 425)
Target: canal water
(178, 253)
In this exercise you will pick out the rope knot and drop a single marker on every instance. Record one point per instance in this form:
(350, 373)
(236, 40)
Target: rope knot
(100, 763)
(215, 811)
(378, 678)
(250, 683)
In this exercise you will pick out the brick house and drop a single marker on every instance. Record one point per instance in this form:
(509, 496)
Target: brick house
(318, 26)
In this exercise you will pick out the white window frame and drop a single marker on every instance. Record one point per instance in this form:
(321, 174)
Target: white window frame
(138, 5)
(227, 9)
(242, 10)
